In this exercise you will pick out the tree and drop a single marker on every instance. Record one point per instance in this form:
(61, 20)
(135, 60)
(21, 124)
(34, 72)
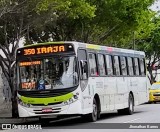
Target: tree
(64, 24)
(116, 21)
(109, 22)
(151, 46)
(11, 23)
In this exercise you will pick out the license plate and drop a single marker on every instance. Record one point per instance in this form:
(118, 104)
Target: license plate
(46, 110)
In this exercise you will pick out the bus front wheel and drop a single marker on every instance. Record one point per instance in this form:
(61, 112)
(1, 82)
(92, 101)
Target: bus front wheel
(94, 115)
(44, 121)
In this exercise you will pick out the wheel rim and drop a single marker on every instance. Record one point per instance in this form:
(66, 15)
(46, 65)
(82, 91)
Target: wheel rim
(131, 105)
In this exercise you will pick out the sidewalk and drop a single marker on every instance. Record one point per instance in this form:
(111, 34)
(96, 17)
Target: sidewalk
(5, 109)
(6, 106)
(6, 114)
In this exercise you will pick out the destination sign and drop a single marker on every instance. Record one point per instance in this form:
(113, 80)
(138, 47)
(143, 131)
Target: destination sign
(45, 49)
(28, 63)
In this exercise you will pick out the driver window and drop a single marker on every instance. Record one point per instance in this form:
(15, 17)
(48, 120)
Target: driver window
(82, 58)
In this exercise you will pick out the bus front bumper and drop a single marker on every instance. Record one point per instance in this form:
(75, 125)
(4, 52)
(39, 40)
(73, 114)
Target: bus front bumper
(73, 108)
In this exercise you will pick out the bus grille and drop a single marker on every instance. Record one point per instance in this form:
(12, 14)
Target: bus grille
(48, 104)
(156, 94)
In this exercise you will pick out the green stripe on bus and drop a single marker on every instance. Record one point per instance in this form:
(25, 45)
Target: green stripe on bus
(46, 101)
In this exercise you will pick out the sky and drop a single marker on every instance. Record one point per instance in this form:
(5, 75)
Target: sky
(156, 6)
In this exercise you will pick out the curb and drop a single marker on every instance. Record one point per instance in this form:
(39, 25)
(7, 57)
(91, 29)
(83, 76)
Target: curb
(5, 112)
(9, 120)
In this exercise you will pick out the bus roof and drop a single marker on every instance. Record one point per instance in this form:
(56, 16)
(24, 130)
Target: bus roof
(91, 46)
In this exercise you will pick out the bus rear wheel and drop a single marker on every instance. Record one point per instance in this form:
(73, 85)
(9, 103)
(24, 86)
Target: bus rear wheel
(130, 109)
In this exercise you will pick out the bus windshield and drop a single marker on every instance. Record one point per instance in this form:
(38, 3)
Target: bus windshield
(48, 73)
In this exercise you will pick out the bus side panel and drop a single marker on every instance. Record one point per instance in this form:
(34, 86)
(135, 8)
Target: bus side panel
(110, 91)
(98, 89)
(122, 89)
(143, 90)
(87, 99)
(95, 86)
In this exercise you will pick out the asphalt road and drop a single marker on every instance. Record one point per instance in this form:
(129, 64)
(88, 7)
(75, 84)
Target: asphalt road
(146, 113)
(145, 116)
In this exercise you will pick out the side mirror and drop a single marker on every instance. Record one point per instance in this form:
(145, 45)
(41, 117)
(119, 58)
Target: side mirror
(84, 69)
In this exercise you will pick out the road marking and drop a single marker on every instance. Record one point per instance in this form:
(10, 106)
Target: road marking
(132, 120)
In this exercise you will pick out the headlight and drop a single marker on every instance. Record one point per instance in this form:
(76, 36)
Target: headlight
(23, 103)
(71, 100)
(75, 96)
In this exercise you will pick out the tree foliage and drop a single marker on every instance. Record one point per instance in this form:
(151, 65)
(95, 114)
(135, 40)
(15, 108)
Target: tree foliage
(98, 21)
(151, 46)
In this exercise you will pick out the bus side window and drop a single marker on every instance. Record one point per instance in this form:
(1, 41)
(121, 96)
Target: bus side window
(109, 65)
(142, 66)
(130, 66)
(116, 65)
(136, 66)
(101, 66)
(123, 65)
(92, 64)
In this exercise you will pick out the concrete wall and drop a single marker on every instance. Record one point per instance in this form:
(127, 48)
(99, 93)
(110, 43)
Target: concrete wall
(5, 97)
(1, 87)
(5, 93)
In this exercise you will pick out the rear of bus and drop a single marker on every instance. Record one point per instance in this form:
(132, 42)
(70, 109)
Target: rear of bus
(47, 80)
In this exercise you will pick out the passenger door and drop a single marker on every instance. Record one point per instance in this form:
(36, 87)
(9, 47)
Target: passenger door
(83, 72)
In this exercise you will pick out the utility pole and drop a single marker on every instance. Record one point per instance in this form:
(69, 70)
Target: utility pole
(133, 40)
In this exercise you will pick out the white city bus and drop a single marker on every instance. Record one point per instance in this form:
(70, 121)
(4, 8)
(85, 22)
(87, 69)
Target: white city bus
(73, 78)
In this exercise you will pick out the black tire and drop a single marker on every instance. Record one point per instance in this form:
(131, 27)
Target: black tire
(44, 121)
(121, 111)
(92, 117)
(98, 114)
(130, 109)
